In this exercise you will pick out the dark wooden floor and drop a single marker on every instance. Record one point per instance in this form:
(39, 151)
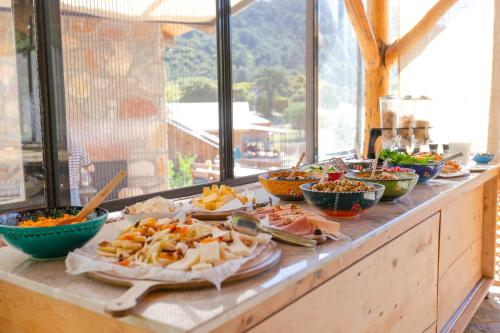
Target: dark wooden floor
(487, 317)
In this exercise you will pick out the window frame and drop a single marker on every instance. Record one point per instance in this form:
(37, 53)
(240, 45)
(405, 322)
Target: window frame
(50, 67)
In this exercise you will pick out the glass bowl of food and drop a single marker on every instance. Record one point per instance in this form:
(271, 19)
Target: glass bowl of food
(284, 187)
(156, 207)
(426, 165)
(342, 198)
(36, 233)
(397, 184)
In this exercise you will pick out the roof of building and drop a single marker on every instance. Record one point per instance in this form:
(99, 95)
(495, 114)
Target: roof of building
(205, 117)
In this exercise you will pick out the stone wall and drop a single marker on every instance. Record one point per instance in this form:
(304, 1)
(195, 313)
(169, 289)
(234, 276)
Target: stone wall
(114, 90)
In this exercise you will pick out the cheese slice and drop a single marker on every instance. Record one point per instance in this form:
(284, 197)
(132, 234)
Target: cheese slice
(191, 258)
(201, 266)
(209, 252)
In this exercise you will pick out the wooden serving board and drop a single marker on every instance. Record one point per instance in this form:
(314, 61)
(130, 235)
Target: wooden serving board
(124, 304)
(215, 216)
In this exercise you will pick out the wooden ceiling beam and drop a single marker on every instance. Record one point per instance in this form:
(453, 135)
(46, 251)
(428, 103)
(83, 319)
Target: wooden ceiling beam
(364, 33)
(401, 47)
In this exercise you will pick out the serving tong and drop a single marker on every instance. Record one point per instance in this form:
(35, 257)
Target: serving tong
(250, 225)
(447, 159)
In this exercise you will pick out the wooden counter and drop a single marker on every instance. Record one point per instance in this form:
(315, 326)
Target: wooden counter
(422, 264)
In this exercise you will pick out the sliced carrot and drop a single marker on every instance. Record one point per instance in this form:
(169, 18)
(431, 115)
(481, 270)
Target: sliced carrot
(124, 263)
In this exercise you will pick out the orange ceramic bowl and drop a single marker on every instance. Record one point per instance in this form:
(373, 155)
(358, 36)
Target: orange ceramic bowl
(286, 189)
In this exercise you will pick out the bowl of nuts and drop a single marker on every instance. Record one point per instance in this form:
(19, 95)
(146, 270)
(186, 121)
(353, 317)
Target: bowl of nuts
(342, 198)
(397, 184)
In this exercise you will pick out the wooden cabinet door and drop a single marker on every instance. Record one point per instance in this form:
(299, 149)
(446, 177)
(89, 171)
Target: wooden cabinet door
(460, 250)
(393, 289)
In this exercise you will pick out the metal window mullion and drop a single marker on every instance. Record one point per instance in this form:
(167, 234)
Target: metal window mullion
(53, 103)
(312, 81)
(224, 76)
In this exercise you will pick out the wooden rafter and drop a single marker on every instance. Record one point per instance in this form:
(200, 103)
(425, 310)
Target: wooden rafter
(364, 34)
(401, 47)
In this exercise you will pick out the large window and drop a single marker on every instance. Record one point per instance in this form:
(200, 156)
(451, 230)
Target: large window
(150, 86)
(339, 81)
(22, 176)
(140, 95)
(269, 85)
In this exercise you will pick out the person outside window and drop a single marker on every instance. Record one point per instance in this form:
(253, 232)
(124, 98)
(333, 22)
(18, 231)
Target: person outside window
(77, 159)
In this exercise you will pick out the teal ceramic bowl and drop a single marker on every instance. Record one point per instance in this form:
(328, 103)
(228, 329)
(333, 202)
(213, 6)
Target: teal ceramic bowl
(342, 204)
(50, 242)
(394, 189)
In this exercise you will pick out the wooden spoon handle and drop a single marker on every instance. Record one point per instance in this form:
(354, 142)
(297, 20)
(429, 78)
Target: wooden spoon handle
(295, 169)
(100, 196)
(123, 305)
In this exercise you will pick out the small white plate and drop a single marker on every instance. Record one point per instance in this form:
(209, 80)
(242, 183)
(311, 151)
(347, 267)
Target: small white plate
(463, 172)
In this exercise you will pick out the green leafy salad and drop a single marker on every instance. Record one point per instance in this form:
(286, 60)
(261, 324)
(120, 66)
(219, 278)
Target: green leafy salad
(400, 158)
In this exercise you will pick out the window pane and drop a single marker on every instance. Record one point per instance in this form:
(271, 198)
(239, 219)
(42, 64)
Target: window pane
(460, 107)
(22, 180)
(339, 80)
(141, 94)
(269, 85)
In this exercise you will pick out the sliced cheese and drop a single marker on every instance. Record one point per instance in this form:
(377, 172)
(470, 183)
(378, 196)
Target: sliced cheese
(201, 266)
(209, 252)
(191, 258)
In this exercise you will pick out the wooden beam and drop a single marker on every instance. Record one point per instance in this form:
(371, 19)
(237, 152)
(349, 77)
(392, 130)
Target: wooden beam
(401, 47)
(364, 34)
(376, 80)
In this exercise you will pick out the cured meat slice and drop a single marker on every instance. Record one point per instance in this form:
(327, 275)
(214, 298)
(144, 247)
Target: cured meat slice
(300, 226)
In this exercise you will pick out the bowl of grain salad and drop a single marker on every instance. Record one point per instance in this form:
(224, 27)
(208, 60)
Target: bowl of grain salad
(342, 198)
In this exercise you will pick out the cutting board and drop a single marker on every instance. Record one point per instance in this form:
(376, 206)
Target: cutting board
(124, 304)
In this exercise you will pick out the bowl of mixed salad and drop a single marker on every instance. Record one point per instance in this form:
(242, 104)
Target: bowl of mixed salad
(397, 184)
(426, 165)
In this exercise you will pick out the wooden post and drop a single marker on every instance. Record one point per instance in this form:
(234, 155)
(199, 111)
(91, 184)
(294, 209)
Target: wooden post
(364, 34)
(376, 80)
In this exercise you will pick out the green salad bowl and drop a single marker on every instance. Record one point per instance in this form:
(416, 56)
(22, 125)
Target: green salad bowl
(394, 189)
(50, 242)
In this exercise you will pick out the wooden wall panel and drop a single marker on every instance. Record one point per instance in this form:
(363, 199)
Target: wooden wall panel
(391, 290)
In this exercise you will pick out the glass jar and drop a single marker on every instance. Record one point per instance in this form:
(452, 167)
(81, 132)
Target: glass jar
(389, 111)
(407, 121)
(423, 114)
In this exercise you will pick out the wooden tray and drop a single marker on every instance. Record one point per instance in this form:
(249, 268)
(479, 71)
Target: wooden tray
(124, 304)
(215, 216)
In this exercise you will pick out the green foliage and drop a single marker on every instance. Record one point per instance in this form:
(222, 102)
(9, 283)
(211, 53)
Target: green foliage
(269, 84)
(191, 90)
(23, 43)
(295, 115)
(280, 104)
(242, 92)
(181, 175)
(199, 90)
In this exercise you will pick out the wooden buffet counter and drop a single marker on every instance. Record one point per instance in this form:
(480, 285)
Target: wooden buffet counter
(422, 264)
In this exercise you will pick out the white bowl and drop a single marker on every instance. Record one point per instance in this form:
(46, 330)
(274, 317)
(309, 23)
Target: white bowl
(133, 218)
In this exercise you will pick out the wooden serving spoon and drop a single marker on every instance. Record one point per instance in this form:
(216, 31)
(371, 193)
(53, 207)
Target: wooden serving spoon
(296, 168)
(96, 200)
